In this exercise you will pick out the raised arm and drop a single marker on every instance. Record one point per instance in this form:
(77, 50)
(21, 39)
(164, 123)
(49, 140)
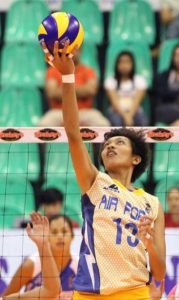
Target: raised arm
(50, 275)
(84, 168)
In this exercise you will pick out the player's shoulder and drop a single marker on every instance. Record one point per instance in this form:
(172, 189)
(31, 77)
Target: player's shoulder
(150, 196)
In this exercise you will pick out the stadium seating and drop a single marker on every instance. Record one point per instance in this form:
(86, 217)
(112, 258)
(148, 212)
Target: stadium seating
(132, 20)
(58, 160)
(166, 52)
(72, 207)
(20, 107)
(17, 198)
(67, 183)
(163, 186)
(141, 54)
(23, 20)
(89, 56)
(20, 159)
(8, 215)
(22, 66)
(89, 15)
(165, 160)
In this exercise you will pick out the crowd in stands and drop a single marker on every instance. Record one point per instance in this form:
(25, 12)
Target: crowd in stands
(127, 71)
(124, 93)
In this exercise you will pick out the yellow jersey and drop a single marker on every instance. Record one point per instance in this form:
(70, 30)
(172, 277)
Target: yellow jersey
(112, 258)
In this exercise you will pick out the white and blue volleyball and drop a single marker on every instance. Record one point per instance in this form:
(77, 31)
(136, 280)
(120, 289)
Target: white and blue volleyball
(61, 26)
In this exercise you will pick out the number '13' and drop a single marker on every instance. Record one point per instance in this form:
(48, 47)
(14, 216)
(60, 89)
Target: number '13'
(132, 243)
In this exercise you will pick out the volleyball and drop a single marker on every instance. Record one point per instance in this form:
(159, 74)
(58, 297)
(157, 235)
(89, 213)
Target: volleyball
(61, 26)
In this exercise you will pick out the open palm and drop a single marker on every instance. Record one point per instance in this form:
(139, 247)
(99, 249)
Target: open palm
(39, 232)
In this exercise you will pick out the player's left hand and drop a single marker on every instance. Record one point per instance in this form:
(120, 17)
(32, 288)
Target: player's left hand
(156, 292)
(63, 61)
(39, 233)
(146, 231)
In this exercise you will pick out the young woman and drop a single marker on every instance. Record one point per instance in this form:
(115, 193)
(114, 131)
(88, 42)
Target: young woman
(126, 90)
(166, 88)
(123, 226)
(50, 288)
(29, 273)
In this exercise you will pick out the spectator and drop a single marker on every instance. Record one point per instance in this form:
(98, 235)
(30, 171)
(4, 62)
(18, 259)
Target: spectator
(51, 203)
(170, 17)
(167, 92)
(126, 92)
(172, 216)
(86, 90)
(29, 274)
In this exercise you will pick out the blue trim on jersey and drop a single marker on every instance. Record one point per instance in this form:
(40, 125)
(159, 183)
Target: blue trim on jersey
(66, 277)
(87, 278)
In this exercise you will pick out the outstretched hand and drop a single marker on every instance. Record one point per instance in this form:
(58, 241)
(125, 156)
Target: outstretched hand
(63, 61)
(156, 292)
(146, 231)
(39, 233)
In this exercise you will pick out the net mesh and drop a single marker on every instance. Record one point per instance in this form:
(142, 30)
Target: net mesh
(27, 168)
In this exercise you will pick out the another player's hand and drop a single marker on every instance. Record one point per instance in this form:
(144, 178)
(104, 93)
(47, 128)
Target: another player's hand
(63, 62)
(146, 231)
(39, 232)
(156, 292)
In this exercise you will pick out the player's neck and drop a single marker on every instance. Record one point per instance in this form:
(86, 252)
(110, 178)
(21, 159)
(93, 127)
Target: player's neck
(62, 260)
(124, 177)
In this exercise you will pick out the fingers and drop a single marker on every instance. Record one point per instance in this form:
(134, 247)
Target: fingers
(48, 56)
(146, 219)
(44, 47)
(55, 50)
(64, 50)
(162, 286)
(36, 218)
(73, 52)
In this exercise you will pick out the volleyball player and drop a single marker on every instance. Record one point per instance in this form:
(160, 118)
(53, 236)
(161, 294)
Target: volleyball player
(29, 275)
(123, 226)
(50, 288)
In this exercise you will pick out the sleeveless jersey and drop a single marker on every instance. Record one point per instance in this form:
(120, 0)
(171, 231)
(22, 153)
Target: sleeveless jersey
(67, 277)
(112, 258)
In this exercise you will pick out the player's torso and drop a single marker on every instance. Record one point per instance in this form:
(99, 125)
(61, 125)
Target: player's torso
(110, 235)
(66, 277)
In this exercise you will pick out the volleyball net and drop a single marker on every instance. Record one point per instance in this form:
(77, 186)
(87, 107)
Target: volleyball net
(35, 159)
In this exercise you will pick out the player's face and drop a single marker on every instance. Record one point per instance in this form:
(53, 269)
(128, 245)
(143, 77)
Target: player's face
(173, 201)
(125, 65)
(117, 153)
(60, 236)
(51, 209)
(176, 58)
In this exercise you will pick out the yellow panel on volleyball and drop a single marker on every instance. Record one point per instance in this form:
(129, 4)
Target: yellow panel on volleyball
(62, 21)
(42, 30)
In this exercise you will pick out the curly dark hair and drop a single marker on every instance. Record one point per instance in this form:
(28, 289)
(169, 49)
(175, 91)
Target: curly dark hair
(139, 147)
